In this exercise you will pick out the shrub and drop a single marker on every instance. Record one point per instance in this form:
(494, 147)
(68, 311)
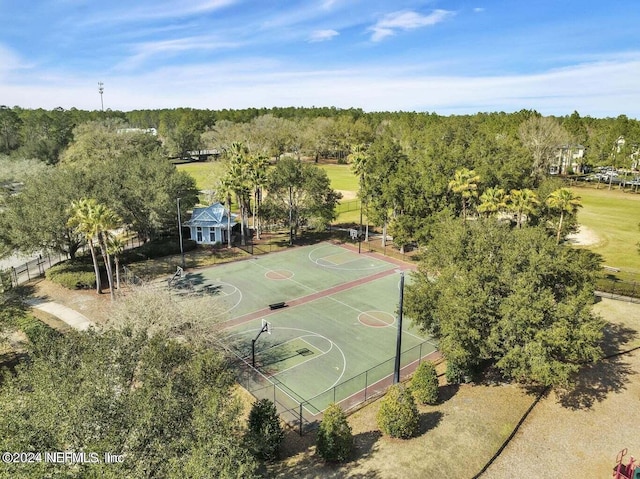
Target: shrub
(398, 414)
(38, 333)
(265, 432)
(334, 438)
(424, 384)
(455, 374)
(73, 274)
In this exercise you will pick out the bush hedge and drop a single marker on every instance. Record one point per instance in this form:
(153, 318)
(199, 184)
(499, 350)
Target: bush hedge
(398, 414)
(38, 333)
(73, 274)
(424, 384)
(265, 433)
(334, 438)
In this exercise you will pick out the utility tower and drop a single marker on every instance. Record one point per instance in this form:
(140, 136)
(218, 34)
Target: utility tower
(101, 91)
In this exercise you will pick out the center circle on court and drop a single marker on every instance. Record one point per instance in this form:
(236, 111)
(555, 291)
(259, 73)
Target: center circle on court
(376, 319)
(279, 274)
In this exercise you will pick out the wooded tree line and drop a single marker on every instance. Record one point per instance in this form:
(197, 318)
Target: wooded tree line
(310, 132)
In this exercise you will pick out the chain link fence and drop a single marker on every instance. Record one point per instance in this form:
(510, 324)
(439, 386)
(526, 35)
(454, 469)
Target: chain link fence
(304, 415)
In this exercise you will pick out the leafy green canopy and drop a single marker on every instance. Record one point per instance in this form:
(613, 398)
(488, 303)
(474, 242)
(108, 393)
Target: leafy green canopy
(165, 405)
(302, 189)
(511, 297)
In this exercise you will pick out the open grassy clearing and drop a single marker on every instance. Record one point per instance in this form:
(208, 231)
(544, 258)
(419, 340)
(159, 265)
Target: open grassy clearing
(341, 176)
(205, 173)
(614, 216)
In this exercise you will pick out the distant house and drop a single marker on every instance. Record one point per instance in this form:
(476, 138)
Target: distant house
(210, 225)
(567, 159)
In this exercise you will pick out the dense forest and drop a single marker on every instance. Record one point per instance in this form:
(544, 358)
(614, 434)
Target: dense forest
(44, 134)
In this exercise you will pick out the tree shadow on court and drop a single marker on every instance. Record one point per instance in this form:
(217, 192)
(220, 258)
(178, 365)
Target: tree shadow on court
(429, 421)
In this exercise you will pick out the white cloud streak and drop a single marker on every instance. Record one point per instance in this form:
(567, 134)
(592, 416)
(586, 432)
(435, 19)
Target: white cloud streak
(322, 35)
(406, 20)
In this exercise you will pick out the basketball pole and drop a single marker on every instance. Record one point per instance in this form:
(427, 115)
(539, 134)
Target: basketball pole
(396, 374)
(265, 328)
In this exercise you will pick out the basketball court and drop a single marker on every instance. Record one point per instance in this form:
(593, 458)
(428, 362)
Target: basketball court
(318, 322)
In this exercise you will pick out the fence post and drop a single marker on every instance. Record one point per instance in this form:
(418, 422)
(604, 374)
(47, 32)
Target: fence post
(300, 420)
(366, 383)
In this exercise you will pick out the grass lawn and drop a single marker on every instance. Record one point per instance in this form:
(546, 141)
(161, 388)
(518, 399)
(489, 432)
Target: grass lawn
(614, 216)
(205, 173)
(341, 176)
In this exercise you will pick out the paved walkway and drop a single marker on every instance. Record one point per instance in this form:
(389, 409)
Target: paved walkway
(71, 317)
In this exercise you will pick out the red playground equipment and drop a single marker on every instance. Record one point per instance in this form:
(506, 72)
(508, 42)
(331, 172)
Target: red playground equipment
(626, 471)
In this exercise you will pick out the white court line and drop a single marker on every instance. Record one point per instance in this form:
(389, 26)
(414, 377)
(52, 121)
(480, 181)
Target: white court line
(316, 347)
(338, 266)
(341, 302)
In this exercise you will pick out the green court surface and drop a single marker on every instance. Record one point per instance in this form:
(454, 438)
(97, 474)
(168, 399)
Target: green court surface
(337, 334)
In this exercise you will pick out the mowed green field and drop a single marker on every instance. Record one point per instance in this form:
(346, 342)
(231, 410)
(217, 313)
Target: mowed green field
(342, 178)
(613, 216)
(205, 173)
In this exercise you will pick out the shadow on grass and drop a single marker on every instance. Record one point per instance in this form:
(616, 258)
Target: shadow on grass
(446, 392)
(364, 444)
(595, 382)
(616, 338)
(429, 421)
(312, 465)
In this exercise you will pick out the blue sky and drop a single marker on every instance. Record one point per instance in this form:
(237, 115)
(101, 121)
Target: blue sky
(443, 56)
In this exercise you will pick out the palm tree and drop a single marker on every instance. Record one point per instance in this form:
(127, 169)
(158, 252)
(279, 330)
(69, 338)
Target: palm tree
(465, 182)
(359, 167)
(83, 219)
(257, 177)
(492, 201)
(224, 191)
(238, 173)
(115, 247)
(105, 220)
(523, 202)
(566, 202)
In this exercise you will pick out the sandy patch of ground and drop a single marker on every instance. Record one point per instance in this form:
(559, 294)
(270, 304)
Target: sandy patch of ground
(583, 237)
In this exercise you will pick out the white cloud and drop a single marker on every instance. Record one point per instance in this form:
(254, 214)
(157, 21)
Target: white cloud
(144, 11)
(322, 35)
(406, 20)
(10, 62)
(599, 89)
(144, 51)
(478, 9)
